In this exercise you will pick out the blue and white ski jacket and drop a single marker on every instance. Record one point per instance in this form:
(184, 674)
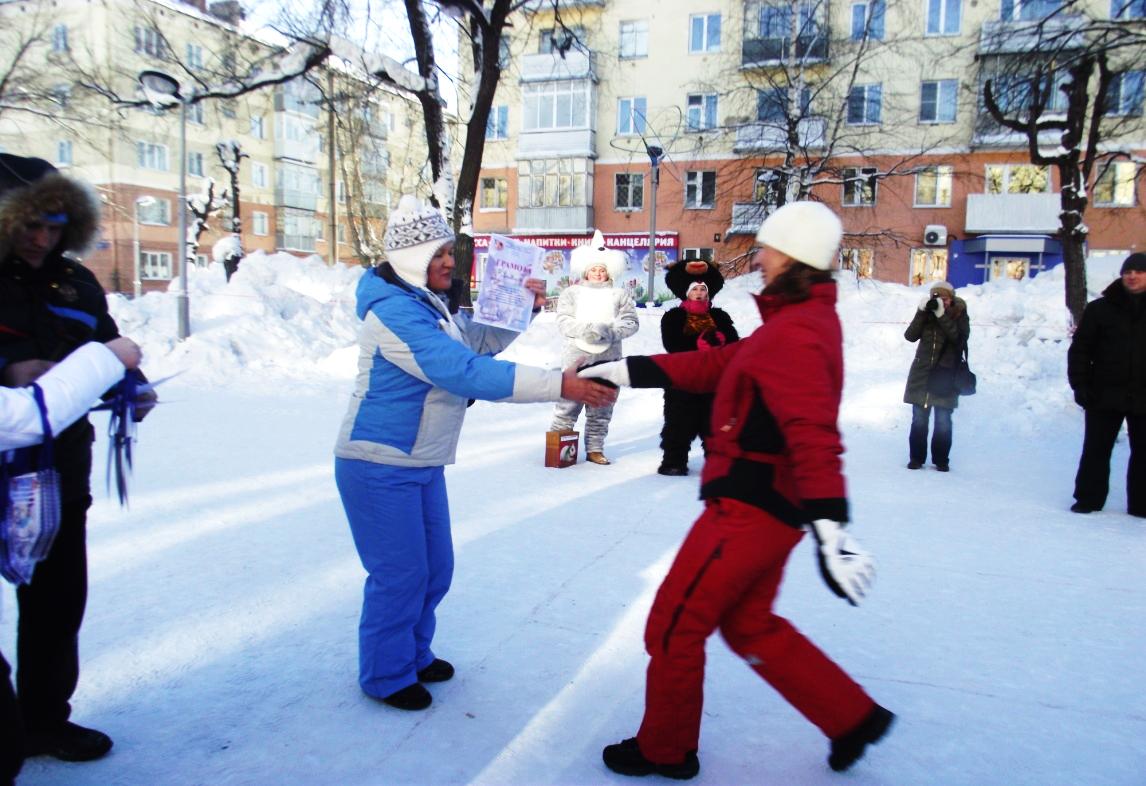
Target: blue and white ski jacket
(417, 369)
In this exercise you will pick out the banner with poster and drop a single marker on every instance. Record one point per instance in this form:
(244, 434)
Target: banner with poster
(503, 300)
(554, 260)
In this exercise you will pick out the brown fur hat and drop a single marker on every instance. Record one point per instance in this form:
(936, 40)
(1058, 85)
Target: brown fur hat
(31, 188)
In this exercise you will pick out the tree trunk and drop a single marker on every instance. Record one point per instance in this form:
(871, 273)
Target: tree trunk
(1074, 261)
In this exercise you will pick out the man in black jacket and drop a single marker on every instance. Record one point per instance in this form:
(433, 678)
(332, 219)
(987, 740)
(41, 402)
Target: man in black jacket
(1106, 367)
(49, 306)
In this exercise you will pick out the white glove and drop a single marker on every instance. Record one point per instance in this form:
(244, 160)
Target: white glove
(847, 569)
(615, 371)
(939, 311)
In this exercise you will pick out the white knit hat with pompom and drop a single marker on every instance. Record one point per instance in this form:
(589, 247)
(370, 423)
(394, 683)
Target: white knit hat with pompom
(414, 233)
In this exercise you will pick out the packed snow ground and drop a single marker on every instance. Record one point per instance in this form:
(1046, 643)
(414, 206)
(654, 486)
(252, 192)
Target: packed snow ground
(219, 645)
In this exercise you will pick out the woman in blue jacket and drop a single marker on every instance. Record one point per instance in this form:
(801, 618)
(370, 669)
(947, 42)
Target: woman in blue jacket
(418, 367)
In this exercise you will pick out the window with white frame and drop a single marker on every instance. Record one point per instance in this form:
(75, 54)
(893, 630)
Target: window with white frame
(701, 111)
(194, 57)
(494, 193)
(195, 164)
(259, 175)
(867, 20)
(227, 107)
(628, 191)
(155, 265)
(631, 115)
(1128, 9)
(1017, 179)
(933, 186)
(260, 223)
(258, 128)
(860, 261)
(560, 39)
(195, 113)
(497, 124)
(859, 186)
(149, 155)
(704, 33)
(772, 104)
(944, 17)
(865, 104)
(700, 190)
(157, 212)
(60, 38)
(635, 38)
(1125, 93)
(200, 260)
(64, 152)
(775, 22)
(62, 95)
(927, 265)
(1031, 10)
(554, 182)
(150, 41)
(1115, 184)
(937, 101)
(550, 105)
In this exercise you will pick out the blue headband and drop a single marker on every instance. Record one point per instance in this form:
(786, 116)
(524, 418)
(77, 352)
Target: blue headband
(55, 218)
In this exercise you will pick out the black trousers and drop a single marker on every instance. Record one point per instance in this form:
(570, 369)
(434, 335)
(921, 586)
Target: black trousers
(1092, 483)
(11, 727)
(686, 418)
(51, 611)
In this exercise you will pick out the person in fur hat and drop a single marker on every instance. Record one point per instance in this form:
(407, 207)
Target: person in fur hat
(941, 328)
(594, 316)
(772, 472)
(694, 324)
(50, 305)
(419, 365)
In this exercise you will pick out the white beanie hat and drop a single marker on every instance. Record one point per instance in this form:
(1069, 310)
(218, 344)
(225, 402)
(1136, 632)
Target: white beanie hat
(595, 253)
(809, 232)
(414, 233)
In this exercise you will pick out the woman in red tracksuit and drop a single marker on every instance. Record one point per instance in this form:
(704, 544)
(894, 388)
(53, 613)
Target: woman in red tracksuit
(773, 468)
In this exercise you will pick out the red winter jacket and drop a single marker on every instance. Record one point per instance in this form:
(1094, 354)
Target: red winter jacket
(775, 443)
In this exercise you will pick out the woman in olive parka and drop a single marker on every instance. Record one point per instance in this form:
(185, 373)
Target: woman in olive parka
(941, 328)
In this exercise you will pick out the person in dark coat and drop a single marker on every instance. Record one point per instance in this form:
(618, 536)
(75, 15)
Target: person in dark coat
(773, 469)
(694, 324)
(1106, 368)
(50, 305)
(941, 327)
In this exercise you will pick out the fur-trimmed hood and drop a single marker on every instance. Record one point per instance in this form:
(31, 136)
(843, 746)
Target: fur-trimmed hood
(52, 193)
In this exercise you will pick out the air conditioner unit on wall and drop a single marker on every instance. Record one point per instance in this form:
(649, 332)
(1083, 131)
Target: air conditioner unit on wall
(935, 235)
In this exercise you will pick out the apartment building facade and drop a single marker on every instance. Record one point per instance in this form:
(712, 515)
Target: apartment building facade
(310, 180)
(874, 108)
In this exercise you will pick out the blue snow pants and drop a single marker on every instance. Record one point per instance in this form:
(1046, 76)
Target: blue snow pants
(400, 520)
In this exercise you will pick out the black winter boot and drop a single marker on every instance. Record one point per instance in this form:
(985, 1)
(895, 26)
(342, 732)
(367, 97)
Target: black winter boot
(626, 758)
(438, 671)
(848, 749)
(69, 742)
(673, 470)
(412, 697)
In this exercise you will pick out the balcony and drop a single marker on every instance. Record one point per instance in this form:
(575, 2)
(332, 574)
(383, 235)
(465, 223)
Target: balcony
(1012, 213)
(747, 218)
(290, 197)
(1055, 34)
(756, 52)
(557, 143)
(552, 67)
(757, 137)
(578, 218)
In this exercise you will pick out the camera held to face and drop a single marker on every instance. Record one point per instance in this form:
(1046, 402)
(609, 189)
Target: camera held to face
(933, 304)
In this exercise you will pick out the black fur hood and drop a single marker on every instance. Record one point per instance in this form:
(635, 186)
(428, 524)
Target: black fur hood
(51, 193)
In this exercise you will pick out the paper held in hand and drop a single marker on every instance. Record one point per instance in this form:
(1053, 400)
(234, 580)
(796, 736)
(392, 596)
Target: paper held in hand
(503, 300)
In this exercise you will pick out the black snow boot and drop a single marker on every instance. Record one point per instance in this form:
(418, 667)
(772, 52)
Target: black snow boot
(673, 470)
(69, 742)
(438, 671)
(412, 697)
(848, 749)
(626, 758)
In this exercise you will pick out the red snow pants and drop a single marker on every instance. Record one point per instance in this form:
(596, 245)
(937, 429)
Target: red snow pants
(726, 576)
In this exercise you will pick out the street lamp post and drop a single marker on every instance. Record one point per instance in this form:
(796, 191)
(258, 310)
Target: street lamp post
(137, 280)
(655, 156)
(162, 90)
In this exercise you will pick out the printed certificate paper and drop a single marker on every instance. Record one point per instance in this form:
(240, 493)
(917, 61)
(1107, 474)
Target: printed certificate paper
(503, 300)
